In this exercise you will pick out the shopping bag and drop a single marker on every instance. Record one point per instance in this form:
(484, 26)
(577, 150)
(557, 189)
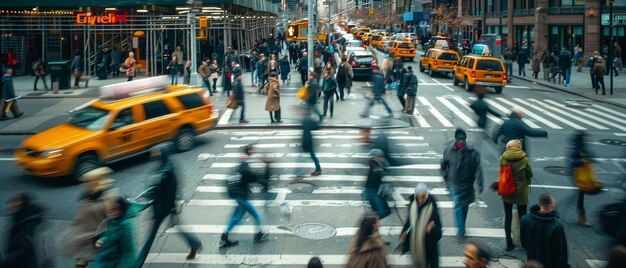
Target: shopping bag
(232, 103)
(506, 185)
(393, 85)
(303, 92)
(586, 179)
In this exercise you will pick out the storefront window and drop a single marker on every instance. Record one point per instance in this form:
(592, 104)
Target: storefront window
(560, 3)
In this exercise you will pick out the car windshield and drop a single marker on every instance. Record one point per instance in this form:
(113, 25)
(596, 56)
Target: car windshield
(405, 45)
(448, 56)
(489, 65)
(363, 58)
(355, 43)
(376, 37)
(89, 118)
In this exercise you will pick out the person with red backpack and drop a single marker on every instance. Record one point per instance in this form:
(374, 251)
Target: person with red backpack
(515, 176)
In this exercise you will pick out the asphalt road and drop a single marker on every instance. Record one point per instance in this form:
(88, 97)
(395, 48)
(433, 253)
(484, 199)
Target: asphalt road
(336, 201)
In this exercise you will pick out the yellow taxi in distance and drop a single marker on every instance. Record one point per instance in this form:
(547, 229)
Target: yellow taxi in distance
(402, 49)
(366, 37)
(439, 61)
(127, 120)
(361, 31)
(477, 70)
(375, 40)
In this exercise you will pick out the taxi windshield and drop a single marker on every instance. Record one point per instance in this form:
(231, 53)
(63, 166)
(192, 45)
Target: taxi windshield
(405, 45)
(448, 56)
(90, 118)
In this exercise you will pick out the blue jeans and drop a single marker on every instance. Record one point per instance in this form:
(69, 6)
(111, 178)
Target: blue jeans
(242, 106)
(254, 77)
(243, 206)
(460, 212)
(509, 70)
(174, 78)
(522, 69)
(300, 172)
(567, 73)
(379, 205)
(208, 86)
(377, 98)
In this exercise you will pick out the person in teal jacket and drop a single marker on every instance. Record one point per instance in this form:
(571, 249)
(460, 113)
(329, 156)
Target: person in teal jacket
(117, 244)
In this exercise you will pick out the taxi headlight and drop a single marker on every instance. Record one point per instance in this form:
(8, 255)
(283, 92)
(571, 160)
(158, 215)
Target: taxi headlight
(51, 153)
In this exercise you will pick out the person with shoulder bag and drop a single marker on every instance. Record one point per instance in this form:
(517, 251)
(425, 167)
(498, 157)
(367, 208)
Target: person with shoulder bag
(39, 68)
(583, 173)
(129, 66)
(598, 71)
(214, 68)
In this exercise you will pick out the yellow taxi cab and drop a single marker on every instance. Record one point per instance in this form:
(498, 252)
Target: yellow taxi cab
(439, 60)
(480, 70)
(361, 31)
(402, 49)
(128, 119)
(366, 37)
(375, 40)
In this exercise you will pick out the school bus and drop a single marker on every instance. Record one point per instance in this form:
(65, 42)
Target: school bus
(299, 31)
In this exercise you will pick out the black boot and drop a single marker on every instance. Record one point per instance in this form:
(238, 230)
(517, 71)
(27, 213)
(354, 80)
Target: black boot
(225, 242)
(260, 236)
(277, 116)
(272, 118)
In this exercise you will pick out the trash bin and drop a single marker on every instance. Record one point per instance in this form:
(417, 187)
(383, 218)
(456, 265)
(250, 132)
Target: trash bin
(60, 72)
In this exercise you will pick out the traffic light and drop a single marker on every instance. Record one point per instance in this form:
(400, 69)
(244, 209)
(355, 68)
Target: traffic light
(371, 11)
(202, 34)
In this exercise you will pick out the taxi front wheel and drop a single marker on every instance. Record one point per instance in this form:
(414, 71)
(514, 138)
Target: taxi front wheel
(498, 90)
(84, 164)
(185, 140)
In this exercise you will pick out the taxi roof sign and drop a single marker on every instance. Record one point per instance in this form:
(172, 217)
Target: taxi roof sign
(441, 44)
(133, 88)
(481, 49)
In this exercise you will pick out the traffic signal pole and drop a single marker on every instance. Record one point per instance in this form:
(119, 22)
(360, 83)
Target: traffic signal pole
(309, 49)
(611, 48)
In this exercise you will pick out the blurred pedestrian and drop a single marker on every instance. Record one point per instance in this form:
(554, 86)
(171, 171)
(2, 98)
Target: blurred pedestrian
(77, 68)
(172, 67)
(272, 66)
(378, 94)
(401, 86)
(617, 257)
(578, 57)
(330, 91)
(284, 69)
(461, 170)
(311, 99)
(272, 105)
(308, 146)
(478, 254)
(261, 68)
(535, 64)
(543, 236)
(163, 193)
(410, 89)
(522, 175)
(239, 95)
(581, 160)
(178, 63)
(8, 100)
(315, 262)
(238, 190)
(214, 68)
(532, 264)
(516, 129)
(371, 191)
(187, 73)
(481, 108)
(598, 71)
(204, 71)
(39, 68)
(77, 240)
(303, 67)
(396, 70)
(20, 248)
(422, 230)
(522, 60)
(617, 50)
(227, 81)
(116, 57)
(367, 249)
(129, 64)
(508, 59)
(344, 77)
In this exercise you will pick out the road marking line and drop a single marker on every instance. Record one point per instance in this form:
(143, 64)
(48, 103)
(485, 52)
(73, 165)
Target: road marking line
(621, 120)
(507, 112)
(303, 260)
(558, 187)
(609, 110)
(566, 113)
(323, 145)
(422, 81)
(444, 85)
(548, 113)
(620, 134)
(299, 132)
(313, 203)
(225, 117)
(458, 112)
(205, 156)
(334, 137)
(435, 112)
(586, 115)
(326, 190)
(420, 119)
(8, 159)
(467, 105)
(350, 178)
(524, 87)
(332, 165)
(531, 114)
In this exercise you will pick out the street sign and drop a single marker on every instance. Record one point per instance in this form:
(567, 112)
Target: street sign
(618, 19)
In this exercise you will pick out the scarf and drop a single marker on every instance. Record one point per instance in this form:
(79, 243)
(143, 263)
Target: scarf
(418, 234)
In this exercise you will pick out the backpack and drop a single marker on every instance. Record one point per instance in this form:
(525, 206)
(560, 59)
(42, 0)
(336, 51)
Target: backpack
(235, 186)
(506, 185)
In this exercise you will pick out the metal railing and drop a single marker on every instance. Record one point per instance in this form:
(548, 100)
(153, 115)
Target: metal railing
(568, 10)
(524, 12)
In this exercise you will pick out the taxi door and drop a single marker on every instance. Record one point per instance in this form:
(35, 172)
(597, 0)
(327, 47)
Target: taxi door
(460, 69)
(160, 122)
(123, 134)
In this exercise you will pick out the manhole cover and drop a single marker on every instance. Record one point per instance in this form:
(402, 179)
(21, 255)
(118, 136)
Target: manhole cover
(301, 187)
(613, 142)
(315, 231)
(558, 170)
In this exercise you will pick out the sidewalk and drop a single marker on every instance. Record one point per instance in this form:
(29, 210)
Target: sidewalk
(581, 85)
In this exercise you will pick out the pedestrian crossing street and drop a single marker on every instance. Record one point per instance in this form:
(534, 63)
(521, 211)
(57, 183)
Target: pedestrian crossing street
(333, 198)
(451, 111)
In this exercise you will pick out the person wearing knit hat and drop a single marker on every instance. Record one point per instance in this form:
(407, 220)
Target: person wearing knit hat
(461, 170)
(377, 170)
(422, 230)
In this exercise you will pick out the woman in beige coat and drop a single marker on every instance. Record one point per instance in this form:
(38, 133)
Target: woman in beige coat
(130, 64)
(367, 249)
(273, 98)
(77, 240)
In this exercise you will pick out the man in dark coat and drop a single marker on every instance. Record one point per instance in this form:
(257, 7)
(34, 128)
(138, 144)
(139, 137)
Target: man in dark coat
(21, 250)
(377, 170)
(303, 67)
(543, 236)
(163, 195)
(461, 170)
(516, 129)
(565, 64)
(220, 51)
(240, 97)
(311, 99)
(378, 90)
(261, 67)
(308, 125)
(481, 108)
(329, 90)
(409, 83)
(426, 241)
(7, 96)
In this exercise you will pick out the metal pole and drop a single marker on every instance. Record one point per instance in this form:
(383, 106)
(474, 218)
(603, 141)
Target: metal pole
(192, 53)
(611, 51)
(311, 34)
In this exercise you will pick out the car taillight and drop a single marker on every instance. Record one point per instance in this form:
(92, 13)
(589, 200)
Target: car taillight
(353, 63)
(364, 46)
(473, 74)
(210, 107)
(504, 76)
(412, 51)
(374, 63)
(435, 62)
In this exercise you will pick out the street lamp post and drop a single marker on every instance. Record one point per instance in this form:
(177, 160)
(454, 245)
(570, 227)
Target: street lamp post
(611, 51)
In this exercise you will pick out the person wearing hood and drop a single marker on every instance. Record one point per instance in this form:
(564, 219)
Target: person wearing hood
(422, 230)
(377, 170)
(481, 108)
(580, 156)
(272, 105)
(25, 216)
(461, 170)
(77, 241)
(516, 129)
(522, 174)
(163, 194)
(543, 235)
(410, 89)
(367, 249)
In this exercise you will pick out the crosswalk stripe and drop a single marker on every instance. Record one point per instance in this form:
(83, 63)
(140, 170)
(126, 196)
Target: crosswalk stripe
(606, 122)
(322, 145)
(341, 231)
(610, 111)
(508, 111)
(467, 105)
(621, 120)
(303, 260)
(314, 203)
(329, 165)
(458, 112)
(327, 190)
(205, 156)
(548, 113)
(347, 178)
(225, 117)
(531, 114)
(435, 112)
(334, 137)
(420, 119)
(447, 86)
(567, 113)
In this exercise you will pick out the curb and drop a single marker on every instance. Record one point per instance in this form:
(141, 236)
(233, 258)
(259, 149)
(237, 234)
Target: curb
(296, 126)
(570, 92)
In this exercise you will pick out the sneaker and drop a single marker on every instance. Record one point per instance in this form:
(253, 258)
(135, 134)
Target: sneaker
(243, 121)
(316, 173)
(260, 236)
(225, 242)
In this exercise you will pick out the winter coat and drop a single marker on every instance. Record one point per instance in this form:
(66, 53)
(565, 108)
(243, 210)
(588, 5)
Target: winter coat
(238, 90)
(204, 71)
(308, 125)
(330, 86)
(303, 65)
(565, 60)
(273, 95)
(431, 240)
(516, 129)
(599, 67)
(378, 84)
(118, 241)
(261, 67)
(377, 170)
(543, 237)
(522, 174)
(251, 172)
(77, 63)
(179, 56)
(481, 108)
(534, 63)
(21, 250)
(372, 254)
(8, 91)
(461, 170)
(284, 69)
(344, 74)
(164, 190)
(312, 92)
(173, 67)
(130, 62)
(411, 84)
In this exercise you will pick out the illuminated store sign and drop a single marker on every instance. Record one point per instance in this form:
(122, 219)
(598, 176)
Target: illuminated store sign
(111, 18)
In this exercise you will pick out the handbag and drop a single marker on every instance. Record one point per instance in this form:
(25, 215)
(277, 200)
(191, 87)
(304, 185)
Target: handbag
(586, 179)
(232, 103)
(303, 92)
(506, 184)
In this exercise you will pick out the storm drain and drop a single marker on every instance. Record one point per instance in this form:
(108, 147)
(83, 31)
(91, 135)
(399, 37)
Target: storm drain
(314, 231)
(301, 187)
(563, 171)
(613, 142)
